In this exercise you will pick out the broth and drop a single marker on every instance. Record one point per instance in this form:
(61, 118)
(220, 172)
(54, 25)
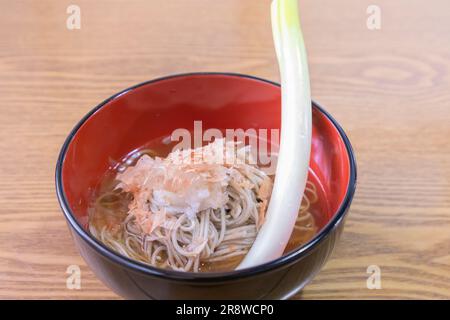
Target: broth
(112, 212)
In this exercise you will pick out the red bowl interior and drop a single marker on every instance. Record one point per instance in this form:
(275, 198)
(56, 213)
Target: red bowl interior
(153, 110)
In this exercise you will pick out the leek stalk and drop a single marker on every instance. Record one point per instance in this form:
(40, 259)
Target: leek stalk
(295, 139)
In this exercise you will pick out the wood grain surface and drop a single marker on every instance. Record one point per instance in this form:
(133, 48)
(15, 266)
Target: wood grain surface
(389, 88)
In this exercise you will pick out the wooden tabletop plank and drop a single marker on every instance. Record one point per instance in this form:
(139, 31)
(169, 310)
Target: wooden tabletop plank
(389, 89)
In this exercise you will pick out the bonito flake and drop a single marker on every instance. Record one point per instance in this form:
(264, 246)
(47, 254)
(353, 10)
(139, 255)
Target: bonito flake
(186, 182)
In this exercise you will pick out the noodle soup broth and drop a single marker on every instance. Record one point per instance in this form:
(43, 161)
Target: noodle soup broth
(110, 205)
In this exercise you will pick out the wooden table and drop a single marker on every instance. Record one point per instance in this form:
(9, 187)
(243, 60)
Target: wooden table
(389, 88)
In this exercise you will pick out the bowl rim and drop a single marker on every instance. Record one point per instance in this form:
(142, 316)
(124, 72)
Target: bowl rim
(148, 270)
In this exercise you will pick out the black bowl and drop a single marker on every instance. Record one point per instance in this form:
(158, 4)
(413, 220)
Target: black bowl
(157, 107)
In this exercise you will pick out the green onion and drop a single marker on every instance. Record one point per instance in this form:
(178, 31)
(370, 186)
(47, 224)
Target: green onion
(295, 140)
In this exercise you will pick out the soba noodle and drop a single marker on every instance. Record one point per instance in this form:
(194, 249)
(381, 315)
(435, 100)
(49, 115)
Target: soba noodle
(209, 239)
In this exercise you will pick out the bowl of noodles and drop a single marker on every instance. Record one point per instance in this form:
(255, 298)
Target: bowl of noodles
(156, 215)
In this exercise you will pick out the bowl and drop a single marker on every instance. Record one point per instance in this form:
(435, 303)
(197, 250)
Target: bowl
(153, 109)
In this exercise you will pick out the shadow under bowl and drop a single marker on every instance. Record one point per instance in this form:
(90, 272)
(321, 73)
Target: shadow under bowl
(154, 109)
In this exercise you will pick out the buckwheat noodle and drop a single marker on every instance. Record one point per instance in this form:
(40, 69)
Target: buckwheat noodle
(200, 242)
